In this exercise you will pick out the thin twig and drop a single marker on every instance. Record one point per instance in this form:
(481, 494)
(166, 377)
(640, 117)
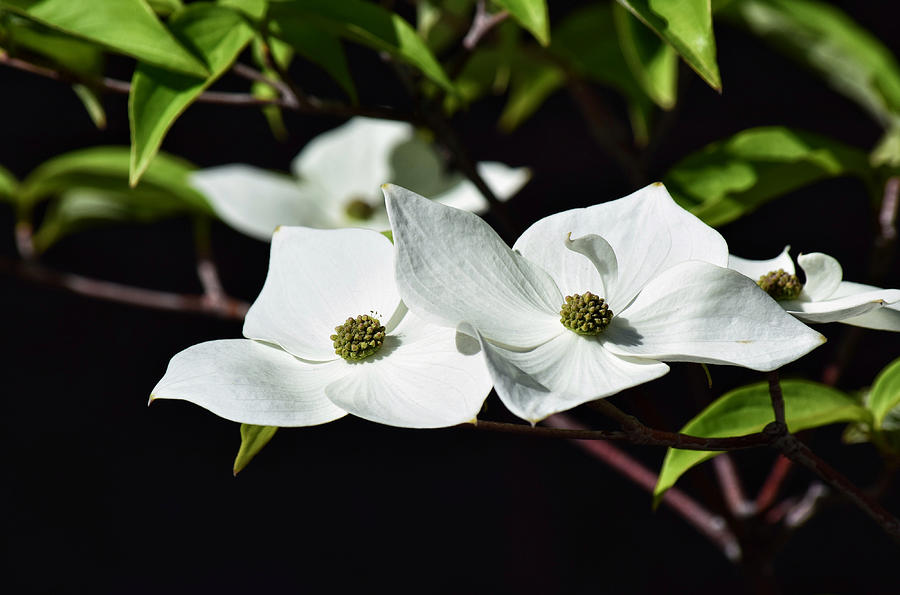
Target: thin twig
(310, 105)
(228, 307)
(777, 397)
(799, 453)
(710, 525)
(769, 490)
(482, 23)
(732, 490)
(645, 436)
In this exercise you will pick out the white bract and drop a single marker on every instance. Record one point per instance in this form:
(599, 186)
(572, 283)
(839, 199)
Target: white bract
(826, 297)
(287, 372)
(659, 268)
(338, 178)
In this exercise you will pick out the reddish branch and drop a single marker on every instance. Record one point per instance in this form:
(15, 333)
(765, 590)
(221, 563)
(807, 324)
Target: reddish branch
(710, 525)
(482, 23)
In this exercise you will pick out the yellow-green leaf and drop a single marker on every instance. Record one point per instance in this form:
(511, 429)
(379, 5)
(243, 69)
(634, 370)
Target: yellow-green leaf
(92, 103)
(253, 439)
(653, 63)
(369, 24)
(126, 26)
(731, 178)
(687, 26)
(106, 169)
(826, 40)
(747, 410)
(8, 184)
(885, 394)
(158, 96)
(531, 14)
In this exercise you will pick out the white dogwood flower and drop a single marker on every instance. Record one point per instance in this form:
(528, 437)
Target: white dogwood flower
(338, 178)
(825, 297)
(643, 281)
(328, 335)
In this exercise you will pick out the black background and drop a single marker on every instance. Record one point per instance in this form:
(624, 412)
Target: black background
(106, 495)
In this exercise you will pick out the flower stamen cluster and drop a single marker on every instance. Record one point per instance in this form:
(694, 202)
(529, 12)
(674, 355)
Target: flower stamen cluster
(585, 314)
(781, 285)
(358, 338)
(358, 208)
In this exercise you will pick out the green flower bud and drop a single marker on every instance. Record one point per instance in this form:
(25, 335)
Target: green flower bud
(359, 209)
(358, 338)
(781, 285)
(585, 314)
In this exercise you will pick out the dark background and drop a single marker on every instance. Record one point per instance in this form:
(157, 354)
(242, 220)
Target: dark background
(106, 495)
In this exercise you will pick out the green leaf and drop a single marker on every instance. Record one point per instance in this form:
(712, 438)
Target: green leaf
(255, 9)
(653, 63)
(748, 409)
(126, 26)
(253, 438)
(829, 42)
(165, 7)
(85, 208)
(92, 103)
(531, 83)
(531, 14)
(8, 184)
(389, 235)
(106, 169)
(317, 46)
(586, 41)
(885, 394)
(887, 152)
(159, 96)
(368, 24)
(63, 51)
(687, 26)
(730, 178)
(442, 23)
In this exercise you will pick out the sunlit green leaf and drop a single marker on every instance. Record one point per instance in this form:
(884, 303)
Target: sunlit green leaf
(730, 178)
(71, 54)
(887, 152)
(748, 409)
(653, 63)
(885, 394)
(165, 7)
(253, 439)
(159, 96)
(106, 169)
(8, 184)
(825, 39)
(369, 24)
(126, 26)
(687, 26)
(531, 14)
(317, 46)
(92, 103)
(255, 9)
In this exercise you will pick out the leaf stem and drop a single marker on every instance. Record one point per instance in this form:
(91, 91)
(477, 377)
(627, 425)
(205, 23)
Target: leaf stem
(482, 23)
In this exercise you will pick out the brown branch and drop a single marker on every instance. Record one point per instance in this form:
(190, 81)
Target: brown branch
(645, 436)
(482, 23)
(710, 525)
(227, 307)
(309, 105)
(777, 397)
(799, 453)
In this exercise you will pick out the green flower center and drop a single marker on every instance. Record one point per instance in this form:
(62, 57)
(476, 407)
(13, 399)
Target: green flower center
(585, 314)
(357, 208)
(358, 338)
(781, 285)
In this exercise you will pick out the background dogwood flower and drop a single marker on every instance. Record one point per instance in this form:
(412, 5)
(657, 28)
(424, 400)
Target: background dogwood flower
(287, 372)
(338, 179)
(653, 262)
(826, 297)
